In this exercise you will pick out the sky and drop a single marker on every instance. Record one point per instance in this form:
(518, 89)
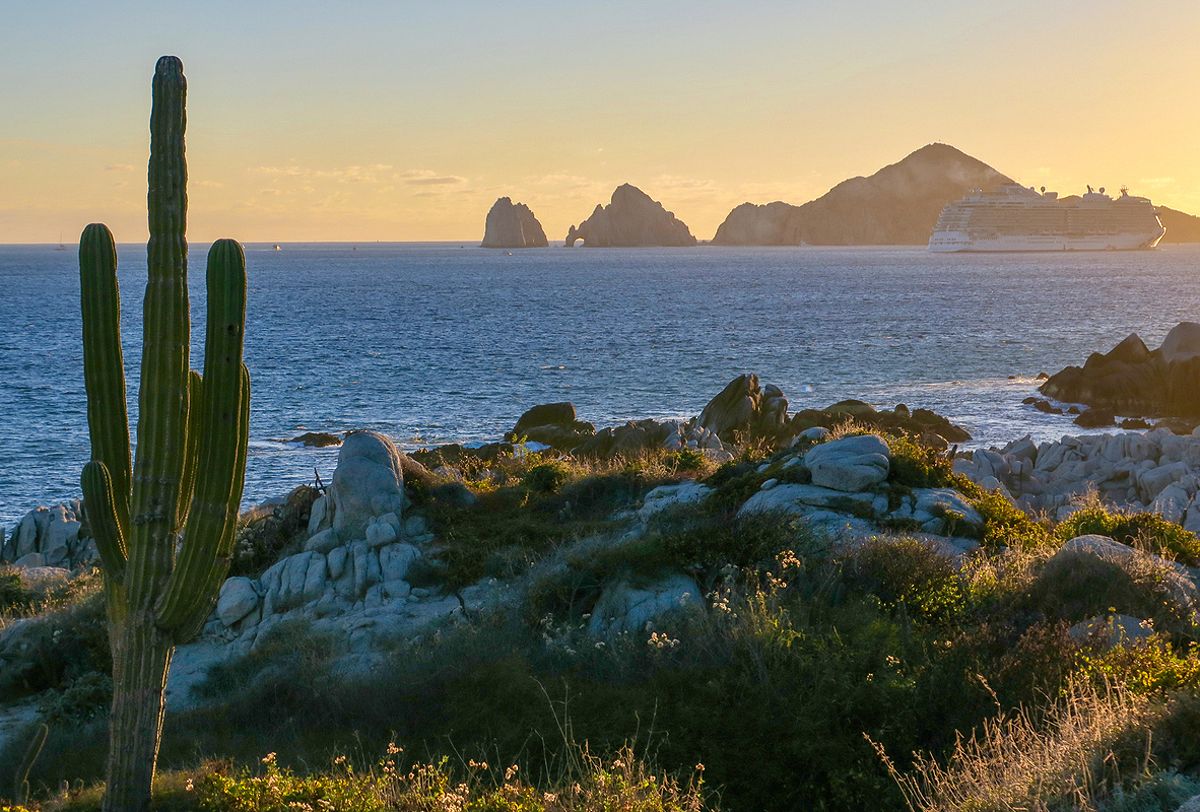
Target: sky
(369, 120)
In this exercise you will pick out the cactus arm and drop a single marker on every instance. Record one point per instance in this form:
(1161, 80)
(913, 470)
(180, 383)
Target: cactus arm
(190, 626)
(221, 439)
(102, 515)
(103, 363)
(163, 398)
(191, 445)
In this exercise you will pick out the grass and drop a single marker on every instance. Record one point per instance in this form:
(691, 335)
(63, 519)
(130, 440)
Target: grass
(1067, 756)
(802, 651)
(394, 783)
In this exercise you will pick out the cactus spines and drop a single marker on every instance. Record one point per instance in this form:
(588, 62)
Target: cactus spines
(186, 481)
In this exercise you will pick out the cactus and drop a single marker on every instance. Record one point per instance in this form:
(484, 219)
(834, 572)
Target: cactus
(164, 526)
(21, 779)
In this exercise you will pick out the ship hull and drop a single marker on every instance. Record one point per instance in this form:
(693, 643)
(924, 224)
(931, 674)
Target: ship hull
(960, 242)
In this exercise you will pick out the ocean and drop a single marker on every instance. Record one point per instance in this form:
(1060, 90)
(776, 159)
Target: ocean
(441, 342)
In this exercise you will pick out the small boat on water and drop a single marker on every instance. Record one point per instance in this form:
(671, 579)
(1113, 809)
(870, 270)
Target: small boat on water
(277, 247)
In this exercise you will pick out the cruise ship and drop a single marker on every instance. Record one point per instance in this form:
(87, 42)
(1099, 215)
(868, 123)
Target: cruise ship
(1014, 218)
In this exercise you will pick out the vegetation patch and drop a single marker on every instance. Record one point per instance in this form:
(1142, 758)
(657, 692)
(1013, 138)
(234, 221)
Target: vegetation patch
(1148, 531)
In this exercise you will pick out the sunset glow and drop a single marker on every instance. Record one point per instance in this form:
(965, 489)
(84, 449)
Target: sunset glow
(395, 121)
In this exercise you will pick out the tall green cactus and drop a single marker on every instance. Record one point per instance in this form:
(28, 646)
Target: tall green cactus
(164, 526)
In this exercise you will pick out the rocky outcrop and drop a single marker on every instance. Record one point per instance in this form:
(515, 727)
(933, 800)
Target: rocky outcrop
(626, 607)
(1180, 226)
(552, 424)
(512, 225)
(1157, 471)
(745, 409)
(355, 556)
(49, 537)
(632, 219)
(1133, 380)
(898, 205)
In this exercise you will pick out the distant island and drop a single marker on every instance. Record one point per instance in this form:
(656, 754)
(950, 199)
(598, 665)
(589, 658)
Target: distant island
(1181, 227)
(512, 225)
(632, 219)
(898, 205)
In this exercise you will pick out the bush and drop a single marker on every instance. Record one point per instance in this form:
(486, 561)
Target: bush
(264, 538)
(15, 599)
(1004, 524)
(1146, 530)
(916, 465)
(908, 573)
(547, 477)
(84, 698)
(1150, 666)
(691, 537)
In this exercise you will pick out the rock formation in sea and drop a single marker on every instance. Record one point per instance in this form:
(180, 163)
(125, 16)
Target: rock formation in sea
(1133, 380)
(512, 225)
(632, 219)
(1180, 226)
(898, 205)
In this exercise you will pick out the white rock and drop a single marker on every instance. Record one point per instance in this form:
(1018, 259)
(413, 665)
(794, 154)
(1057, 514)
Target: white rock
(796, 499)
(395, 561)
(666, 496)
(624, 607)
(849, 464)
(322, 542)
(237, 599)
(1171, 503)
(367, 483)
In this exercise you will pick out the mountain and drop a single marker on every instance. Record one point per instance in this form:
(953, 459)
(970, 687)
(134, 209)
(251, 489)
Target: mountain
(898, 205)
(1180, 227)
(512, 225)
(631, 219)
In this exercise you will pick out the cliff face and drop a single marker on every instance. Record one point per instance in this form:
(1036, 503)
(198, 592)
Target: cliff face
(898, 205)
(512, 225)
(1180, 227)
(631, 219)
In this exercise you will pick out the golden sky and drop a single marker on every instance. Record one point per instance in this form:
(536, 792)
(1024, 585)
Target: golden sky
(405, 121)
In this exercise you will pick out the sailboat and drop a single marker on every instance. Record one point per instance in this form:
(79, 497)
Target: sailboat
(61, 245)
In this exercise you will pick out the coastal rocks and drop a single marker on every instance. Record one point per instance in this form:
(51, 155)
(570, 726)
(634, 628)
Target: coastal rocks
(849, 464)
(49, 536)
(898, 205)
(631, 219)
(512, 225)
(237, 599)
(625, 607)
(1133, 380)
(744, 409)
(368, 482)
(1157, 471)
(317, 439)
(552, 424)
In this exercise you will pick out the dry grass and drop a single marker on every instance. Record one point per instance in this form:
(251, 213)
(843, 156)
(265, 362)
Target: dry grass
(1085, 744)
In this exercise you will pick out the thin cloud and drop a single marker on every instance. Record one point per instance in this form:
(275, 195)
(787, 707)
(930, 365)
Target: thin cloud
(119, 168)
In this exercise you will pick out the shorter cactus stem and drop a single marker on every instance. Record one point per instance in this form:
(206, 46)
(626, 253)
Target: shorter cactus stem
(102, 515)
(21, 779)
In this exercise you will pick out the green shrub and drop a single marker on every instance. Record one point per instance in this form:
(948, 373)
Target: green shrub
(1147, 530)
(1080, 586)
(691, 537)
(916, 465)
(84, 698)
(548, 477)
(908, 573)
(15, 599)
(1150, 666)
(1004, 524)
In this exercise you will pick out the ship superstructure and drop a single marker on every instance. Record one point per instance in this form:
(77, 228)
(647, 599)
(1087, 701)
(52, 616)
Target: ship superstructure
(1014, 218)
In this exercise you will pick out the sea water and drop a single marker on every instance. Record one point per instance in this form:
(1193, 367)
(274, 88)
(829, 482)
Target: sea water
(433, 343)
